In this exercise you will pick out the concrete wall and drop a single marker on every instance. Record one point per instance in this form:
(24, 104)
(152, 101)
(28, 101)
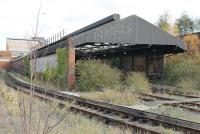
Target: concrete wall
(43, 62)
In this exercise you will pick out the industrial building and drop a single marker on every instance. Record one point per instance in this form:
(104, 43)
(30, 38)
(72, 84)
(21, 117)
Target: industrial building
(131, 44)
(19, 47)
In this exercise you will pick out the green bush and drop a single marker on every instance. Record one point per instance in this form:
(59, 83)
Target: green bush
(57, 75)
(93, 74)
(61, 70)
(61, 80)
(183, 71)
(49, 74)
(61, 61)
(137, 82)
(188, 85)
(181, 67)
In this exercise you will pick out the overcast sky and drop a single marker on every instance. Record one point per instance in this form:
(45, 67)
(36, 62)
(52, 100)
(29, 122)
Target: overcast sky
(18, 17)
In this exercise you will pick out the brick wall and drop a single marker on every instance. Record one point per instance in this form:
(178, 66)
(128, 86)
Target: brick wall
(5, 57)
(4, 65)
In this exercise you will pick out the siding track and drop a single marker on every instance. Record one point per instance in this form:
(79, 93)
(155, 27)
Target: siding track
(137, 120)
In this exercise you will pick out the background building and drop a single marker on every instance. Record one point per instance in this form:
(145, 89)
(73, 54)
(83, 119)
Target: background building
(5, 57)
(20, 47)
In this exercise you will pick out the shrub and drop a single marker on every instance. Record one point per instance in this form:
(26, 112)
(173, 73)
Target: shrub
(93, 74)
(61, 80)
(137, 82)
(188, 85)
(61, 61)
(182, 70)
(49, 74)
(57, 75)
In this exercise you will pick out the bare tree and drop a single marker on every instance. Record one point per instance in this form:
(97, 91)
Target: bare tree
(33, 66)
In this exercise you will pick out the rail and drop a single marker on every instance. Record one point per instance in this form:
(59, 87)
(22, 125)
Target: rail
(126, 116)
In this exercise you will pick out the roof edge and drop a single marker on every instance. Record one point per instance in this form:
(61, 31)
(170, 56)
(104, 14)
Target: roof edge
(20, 39)
(103, 21)
(113, 17)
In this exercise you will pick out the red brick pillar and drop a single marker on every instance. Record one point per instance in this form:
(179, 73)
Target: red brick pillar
(71, 64)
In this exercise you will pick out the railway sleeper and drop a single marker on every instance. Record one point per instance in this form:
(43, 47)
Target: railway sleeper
(185, 126)
(136, 127)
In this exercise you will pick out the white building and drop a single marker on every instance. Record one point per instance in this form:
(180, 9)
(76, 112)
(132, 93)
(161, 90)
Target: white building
(20, 47)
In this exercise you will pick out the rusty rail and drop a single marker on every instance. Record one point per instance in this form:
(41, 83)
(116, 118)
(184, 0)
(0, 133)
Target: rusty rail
(124, 115)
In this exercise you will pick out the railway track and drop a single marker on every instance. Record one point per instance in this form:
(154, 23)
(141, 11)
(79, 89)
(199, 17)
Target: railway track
(137, 120)
(191, 106)
(171, 91)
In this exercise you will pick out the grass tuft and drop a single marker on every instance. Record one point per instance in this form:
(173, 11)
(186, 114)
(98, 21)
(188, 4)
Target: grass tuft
(138, 82)
(114, 96)
(177, 112)
(190, 86)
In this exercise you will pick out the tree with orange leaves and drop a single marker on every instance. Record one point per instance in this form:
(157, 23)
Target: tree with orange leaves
(192, 43)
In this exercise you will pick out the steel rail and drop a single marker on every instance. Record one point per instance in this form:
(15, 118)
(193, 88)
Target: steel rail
(134, 126)
(172, 91)
(133, 114)
(184, 105)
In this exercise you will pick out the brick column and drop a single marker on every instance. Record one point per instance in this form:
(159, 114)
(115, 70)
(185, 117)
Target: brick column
(71, 64)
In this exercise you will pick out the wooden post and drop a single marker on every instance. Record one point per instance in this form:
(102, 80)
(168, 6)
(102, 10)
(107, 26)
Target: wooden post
(71, 64)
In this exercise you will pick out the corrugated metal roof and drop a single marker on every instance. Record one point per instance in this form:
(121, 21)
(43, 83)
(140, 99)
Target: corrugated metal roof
(113, 17)
(133, 30)
(130, 30)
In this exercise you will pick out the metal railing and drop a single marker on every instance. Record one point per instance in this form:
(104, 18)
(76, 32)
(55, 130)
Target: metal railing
(53, 38)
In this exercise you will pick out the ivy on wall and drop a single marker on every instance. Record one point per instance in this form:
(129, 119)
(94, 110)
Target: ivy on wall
(61, 73)
(56, 75)
(61, 54)
(26, 66)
